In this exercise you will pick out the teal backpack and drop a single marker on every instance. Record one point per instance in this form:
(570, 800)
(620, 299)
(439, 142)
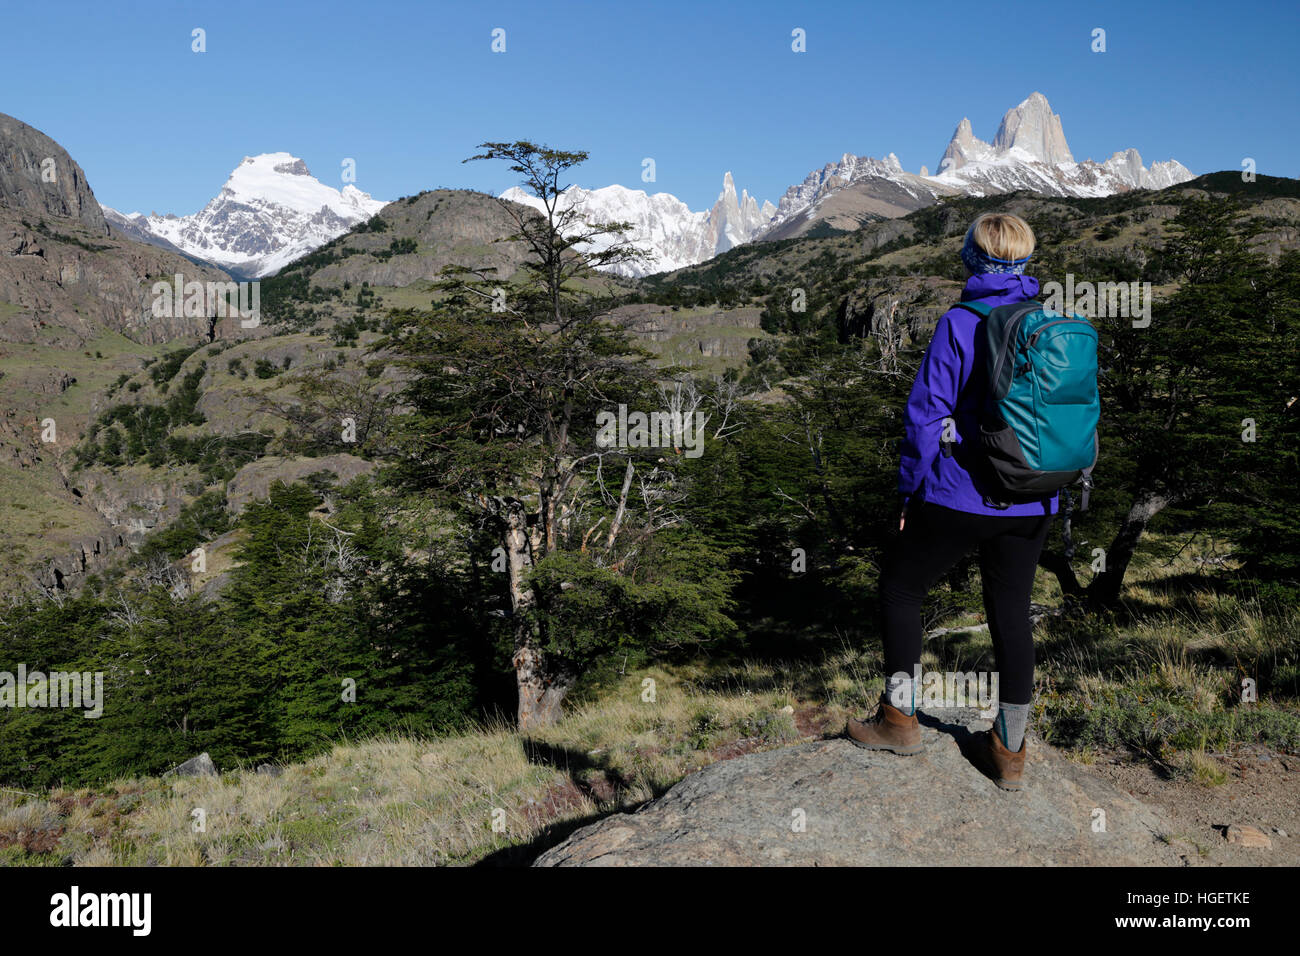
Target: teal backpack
(1038, 425)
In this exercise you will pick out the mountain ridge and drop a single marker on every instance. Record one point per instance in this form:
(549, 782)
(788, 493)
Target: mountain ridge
(664, 225)
(269, 212)
(272, 211)
(1029, 152)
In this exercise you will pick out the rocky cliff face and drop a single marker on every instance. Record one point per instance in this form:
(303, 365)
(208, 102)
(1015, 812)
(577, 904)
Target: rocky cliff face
(1035, 129)
(38, 176)
(62, 285)
(65, 278)
(76, 312)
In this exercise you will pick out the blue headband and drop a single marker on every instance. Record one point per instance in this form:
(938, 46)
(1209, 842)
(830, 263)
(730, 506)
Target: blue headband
(978, 261)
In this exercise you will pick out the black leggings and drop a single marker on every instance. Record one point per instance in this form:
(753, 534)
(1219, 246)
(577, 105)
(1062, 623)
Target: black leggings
(934, 538)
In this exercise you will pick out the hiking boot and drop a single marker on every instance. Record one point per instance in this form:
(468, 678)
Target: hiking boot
(890, 729)
(1006, 768)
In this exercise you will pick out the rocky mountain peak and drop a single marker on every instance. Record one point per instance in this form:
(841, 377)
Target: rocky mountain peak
(270, 211)
(38, 175)
(963, 148)
(1029, 153)
(1034, 128)
(665, 226)
(733, 220)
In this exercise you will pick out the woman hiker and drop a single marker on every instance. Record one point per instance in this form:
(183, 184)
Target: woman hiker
(945, 516)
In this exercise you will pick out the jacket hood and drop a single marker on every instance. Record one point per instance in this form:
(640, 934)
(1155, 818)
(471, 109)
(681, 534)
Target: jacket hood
(988, 284)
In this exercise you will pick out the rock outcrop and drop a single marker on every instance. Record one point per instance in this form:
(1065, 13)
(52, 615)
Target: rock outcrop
(200, 766)
(38, 175)
(829, 803)
(65, 277)
(911, 304)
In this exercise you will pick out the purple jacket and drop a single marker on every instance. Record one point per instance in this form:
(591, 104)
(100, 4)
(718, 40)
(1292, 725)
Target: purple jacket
(949, 384)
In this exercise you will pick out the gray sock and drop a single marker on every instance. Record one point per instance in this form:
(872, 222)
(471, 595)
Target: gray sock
(901, 693)
(1010, 724)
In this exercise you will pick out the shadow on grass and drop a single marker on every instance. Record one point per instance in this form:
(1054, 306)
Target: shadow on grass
(524, 854)
(592, 778)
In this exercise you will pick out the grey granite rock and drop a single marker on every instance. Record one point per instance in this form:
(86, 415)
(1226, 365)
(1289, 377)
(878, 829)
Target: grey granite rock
(859, 808)
(200, 766)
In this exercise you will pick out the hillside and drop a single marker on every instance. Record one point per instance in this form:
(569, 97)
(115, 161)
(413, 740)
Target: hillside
(75, 317)
(322, 311)
(915, 251)
(79, 502)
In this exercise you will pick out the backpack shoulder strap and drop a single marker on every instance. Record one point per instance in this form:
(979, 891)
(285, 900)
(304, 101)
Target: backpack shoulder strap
(982, 309)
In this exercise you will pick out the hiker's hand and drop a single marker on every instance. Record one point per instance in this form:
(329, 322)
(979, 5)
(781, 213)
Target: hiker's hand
(902, 516)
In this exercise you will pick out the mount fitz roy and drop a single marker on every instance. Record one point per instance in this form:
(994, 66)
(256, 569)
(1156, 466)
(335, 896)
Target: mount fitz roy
(271, 211)
(1028, 152)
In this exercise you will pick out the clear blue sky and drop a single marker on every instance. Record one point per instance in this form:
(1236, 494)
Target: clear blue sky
(408, 89)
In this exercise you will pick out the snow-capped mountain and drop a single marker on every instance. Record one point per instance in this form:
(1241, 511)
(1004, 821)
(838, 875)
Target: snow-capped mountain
(270, 211)
(1029, 152)
(662, 224)
(845, 194)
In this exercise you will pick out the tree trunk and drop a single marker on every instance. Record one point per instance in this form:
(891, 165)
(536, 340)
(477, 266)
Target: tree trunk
(1105, 587)
(541, 682)
(542, 687)
(1060, 566)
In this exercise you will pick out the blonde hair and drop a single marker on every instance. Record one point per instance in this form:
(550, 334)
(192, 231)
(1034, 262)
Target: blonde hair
(1003, 236)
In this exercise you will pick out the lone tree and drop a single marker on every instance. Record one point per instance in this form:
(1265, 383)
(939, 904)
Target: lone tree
(508, 376)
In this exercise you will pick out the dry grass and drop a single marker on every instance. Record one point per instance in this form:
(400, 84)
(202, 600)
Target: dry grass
(402, 801)
(1166, 684)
